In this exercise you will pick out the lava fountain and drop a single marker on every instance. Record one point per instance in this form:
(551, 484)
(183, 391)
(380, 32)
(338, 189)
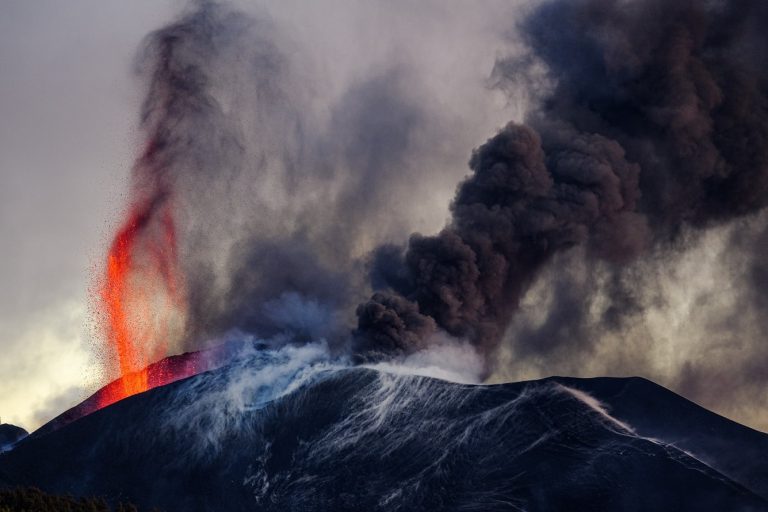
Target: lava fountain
(141, 298)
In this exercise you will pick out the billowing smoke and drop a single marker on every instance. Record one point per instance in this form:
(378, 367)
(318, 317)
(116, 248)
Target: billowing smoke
(291, 192)
(522, 205)
(274, 181)
(651, 123)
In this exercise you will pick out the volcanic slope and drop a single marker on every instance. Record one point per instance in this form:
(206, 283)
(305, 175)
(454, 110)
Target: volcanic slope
(10, 435)
(269, 433)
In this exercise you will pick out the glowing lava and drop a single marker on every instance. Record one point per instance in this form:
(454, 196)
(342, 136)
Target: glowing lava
(141, 297)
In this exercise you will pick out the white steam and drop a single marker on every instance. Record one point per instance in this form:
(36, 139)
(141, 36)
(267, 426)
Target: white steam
(211, 406)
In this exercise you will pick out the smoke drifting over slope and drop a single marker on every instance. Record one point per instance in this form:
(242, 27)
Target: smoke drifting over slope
(646, 133)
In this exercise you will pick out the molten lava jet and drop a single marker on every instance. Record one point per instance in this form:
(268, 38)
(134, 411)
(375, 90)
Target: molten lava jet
(141, 298)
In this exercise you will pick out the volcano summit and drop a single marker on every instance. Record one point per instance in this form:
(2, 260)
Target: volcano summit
(287, 430)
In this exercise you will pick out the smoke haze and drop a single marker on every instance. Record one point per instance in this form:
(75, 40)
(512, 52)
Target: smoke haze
(283, 187)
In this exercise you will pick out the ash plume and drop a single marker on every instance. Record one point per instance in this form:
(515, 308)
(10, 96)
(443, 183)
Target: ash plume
(651, 124)
(643, 145)
(277, 186)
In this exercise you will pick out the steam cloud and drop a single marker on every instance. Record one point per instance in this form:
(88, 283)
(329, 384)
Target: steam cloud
(647, 128)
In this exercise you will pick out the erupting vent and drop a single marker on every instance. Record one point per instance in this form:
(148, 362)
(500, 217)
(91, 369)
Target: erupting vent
(142, 296)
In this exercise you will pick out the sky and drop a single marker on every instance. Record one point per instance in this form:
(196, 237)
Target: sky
(67, 138)
(70, 101)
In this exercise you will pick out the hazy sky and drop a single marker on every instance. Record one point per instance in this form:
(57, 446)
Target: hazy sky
(67, 136)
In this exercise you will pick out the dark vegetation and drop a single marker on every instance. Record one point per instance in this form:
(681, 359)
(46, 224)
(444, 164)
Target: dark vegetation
(32, 499)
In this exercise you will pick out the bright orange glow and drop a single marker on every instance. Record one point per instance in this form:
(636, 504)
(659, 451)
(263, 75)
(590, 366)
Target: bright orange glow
(165, 371)
(141, 297)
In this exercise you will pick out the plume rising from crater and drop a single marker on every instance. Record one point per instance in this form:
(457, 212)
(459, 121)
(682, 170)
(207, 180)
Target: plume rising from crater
(267, 205)
(650, 121)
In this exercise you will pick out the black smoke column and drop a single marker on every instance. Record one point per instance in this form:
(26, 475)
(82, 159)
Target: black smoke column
(654, 120)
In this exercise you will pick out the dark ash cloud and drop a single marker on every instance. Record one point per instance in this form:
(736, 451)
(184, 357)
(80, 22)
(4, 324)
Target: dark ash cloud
(653, 123)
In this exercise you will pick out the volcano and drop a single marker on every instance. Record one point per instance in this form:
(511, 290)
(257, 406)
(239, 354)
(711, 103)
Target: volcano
(277, 430)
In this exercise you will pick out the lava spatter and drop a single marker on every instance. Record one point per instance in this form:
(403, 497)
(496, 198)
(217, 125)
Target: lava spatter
(142, 295)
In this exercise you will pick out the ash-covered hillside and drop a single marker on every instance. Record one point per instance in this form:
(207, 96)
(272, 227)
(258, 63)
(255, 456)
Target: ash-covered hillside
(287, 430)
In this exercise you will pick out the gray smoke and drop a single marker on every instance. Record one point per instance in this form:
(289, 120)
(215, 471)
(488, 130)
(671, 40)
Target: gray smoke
(281, 181)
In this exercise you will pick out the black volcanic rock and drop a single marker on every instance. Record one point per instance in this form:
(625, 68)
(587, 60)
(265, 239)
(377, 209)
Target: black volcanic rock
(249, 438)
(733, 449)
(10, 434)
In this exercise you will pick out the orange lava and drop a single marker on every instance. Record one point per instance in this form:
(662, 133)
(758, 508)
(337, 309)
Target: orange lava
(141, 295)
(165, 371)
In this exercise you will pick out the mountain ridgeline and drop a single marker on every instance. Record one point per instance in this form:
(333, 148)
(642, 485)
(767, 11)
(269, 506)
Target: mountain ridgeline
(270, 432)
